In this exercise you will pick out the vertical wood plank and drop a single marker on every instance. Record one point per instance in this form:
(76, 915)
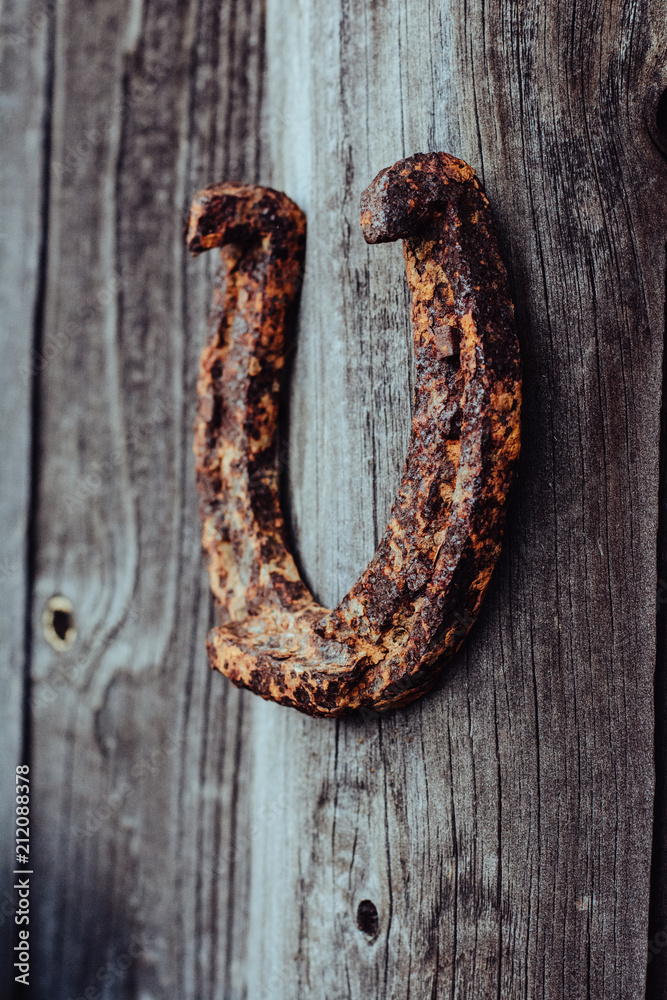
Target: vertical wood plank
(139, 760)
(656, 979)
(502, 826)
(24, 113)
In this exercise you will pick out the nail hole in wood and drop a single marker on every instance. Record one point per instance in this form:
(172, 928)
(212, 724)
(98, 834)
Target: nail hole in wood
(58, 623)
(368, 921)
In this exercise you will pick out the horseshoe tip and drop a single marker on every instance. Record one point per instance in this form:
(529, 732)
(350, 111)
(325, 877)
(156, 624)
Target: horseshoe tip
(399, 201)
(236, 213)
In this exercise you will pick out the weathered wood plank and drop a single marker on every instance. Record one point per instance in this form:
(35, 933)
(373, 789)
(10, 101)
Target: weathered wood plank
(657, 944)
(24, 107)
(194, 841)
(507, 846)
(138, 761)
(656, 978)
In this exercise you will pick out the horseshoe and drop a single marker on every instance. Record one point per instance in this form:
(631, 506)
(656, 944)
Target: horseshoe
(386, 642)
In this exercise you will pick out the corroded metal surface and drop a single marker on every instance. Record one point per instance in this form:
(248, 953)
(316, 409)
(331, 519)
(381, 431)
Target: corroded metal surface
(386, 642)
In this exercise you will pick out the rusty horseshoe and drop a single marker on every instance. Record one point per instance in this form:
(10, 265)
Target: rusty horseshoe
(386, 642)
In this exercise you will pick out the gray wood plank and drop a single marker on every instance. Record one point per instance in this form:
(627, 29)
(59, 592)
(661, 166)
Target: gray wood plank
(193, 841)
(657, 932)
(24, 106)
(138, 761)
(502, 826)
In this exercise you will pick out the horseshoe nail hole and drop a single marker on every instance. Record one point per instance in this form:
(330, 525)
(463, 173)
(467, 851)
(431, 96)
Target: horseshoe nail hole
(58, 623)
(368, 921)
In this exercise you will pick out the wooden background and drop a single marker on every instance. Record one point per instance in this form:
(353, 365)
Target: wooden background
(191, 841)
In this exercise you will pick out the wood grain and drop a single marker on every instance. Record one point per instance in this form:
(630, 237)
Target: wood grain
(25, 79)
(137, 771)
(191, 840)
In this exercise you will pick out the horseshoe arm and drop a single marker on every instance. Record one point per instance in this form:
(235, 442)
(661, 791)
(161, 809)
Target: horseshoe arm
(385, 643)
